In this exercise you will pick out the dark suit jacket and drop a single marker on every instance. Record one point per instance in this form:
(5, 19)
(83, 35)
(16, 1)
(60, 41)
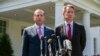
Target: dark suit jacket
(78, 39)
(31, 41)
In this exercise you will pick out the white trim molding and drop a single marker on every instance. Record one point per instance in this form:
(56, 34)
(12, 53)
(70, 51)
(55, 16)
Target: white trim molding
(17, 5)
(97, 1)
(84, 6)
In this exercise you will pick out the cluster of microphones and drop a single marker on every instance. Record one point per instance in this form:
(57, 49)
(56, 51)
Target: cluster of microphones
(55, 40)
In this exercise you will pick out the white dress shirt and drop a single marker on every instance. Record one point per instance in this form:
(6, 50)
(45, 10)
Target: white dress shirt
(42, 29)
(66, 27)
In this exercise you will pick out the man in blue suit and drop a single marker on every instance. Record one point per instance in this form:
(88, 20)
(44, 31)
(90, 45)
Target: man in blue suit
(32, 36)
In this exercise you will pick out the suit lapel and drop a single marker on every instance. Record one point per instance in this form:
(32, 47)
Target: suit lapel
(45, 31)
(75, 30)
(34, 30)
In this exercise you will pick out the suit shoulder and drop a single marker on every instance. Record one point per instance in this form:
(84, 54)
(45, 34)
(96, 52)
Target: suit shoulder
(27, 28)
(60, 26)
(49, 28)
(79, 24)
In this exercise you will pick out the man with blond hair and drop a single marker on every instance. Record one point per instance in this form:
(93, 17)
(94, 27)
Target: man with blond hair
(72, 31)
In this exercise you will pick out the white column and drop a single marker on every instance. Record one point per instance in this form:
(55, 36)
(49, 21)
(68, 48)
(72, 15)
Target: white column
(58, 13)
(89, 42)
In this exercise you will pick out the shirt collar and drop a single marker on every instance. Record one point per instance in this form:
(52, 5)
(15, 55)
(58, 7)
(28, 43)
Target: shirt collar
(42, 26)
(65, 22)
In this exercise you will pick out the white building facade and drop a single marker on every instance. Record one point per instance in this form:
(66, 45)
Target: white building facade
(84, 7)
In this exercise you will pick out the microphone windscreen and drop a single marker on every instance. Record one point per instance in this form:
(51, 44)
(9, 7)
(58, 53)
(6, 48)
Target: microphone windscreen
(53, 36)
(58, 37)
(49, 40)
(67, 44)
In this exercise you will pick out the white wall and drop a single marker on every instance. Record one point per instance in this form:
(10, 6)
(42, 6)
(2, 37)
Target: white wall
(95, 33)
(14, 30)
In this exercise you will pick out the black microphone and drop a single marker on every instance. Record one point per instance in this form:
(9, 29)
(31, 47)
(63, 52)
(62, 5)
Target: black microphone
(51, 38)
(41, 45)
(46, 44)
(51, 44)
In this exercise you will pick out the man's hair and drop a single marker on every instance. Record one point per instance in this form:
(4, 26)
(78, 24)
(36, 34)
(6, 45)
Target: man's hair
(68, 5)
(39, 10)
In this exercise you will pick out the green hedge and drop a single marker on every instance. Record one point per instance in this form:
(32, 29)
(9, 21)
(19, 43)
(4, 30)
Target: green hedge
(5, 45)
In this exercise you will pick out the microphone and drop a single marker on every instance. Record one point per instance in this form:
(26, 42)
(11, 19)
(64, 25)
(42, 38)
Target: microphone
(41, 45)
(51, 38)
(50, 41)
(67, 46)
(49, 46)
(45, 40)
(53, 42)
(59, 45)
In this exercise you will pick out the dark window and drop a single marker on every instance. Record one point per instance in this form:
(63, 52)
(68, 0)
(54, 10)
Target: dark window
(2, 26)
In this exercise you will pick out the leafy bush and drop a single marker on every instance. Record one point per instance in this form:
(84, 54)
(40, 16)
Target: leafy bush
(5, 45)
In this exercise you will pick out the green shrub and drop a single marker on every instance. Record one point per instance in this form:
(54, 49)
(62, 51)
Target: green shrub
(5, 45)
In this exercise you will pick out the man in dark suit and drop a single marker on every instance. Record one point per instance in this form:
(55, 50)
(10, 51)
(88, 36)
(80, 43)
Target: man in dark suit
(31, 45)
(72, 31)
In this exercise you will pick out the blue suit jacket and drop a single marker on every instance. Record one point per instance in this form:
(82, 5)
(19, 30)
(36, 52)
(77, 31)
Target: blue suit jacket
(31, 41)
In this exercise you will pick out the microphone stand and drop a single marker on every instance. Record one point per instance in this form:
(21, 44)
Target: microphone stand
(54, 43)
(41, 46)
(69, 53)
(50, 52)
(60, 49)
(45, 45)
